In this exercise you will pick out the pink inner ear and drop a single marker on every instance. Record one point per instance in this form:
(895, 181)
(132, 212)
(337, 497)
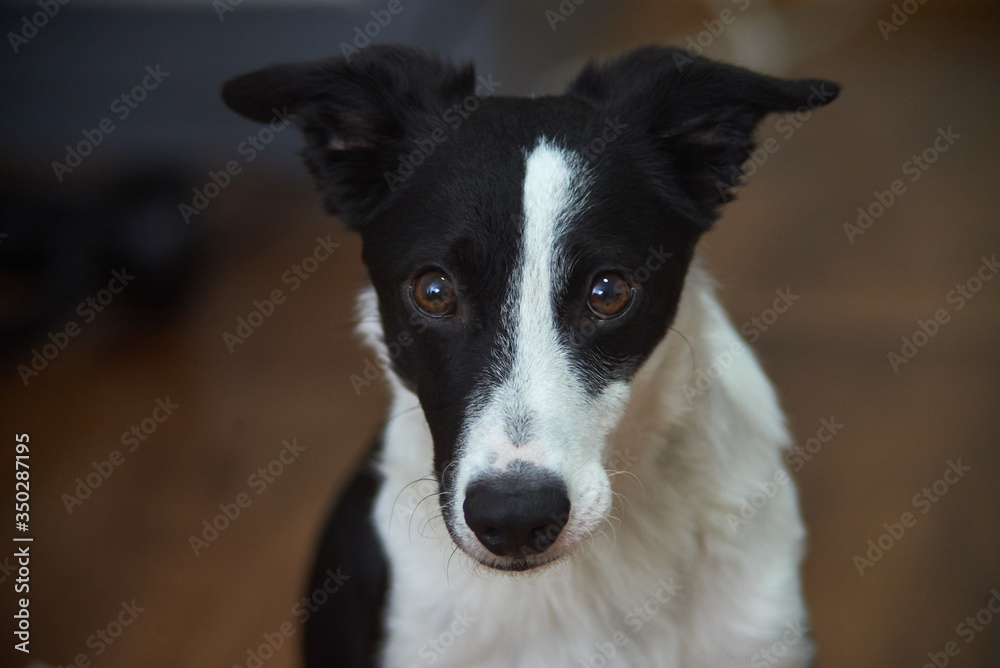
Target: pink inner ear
(349, 131)
(705, 137)
(338, 143)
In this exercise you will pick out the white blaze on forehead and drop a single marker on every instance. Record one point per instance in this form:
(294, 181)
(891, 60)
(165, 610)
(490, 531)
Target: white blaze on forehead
(549, 184)
(542, 412)
(549, 202)
(523, 418)
(527, 402)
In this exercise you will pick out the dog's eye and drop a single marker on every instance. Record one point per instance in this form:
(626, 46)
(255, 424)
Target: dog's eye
(433, 293)
(610, 295)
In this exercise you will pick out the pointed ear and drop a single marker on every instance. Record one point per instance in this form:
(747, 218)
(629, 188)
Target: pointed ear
(700, 114)
(358, 113)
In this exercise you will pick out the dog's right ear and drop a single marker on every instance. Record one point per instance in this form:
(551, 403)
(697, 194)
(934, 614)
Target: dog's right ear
(700, 114)
(358, 113)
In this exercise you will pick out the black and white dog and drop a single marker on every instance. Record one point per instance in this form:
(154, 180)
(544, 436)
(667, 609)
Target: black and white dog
(535, 293)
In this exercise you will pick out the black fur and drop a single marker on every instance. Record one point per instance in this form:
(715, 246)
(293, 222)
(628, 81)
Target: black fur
(700, 114)
(345, 630)
(370, 108)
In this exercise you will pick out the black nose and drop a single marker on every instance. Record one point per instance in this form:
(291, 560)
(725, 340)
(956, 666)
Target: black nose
(515, 515)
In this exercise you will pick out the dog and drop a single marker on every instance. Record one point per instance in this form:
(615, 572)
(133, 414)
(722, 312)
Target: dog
(575, 423)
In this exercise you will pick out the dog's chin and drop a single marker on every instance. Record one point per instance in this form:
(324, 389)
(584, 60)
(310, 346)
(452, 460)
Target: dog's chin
(511, 565)
(527, 564)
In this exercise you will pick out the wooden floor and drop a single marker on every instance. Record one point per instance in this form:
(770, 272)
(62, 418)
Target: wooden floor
(902, 430)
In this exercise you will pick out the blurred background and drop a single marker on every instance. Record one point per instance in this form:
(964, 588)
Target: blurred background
(143, 417)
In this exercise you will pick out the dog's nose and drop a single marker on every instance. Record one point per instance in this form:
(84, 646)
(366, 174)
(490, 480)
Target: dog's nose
(515, 516)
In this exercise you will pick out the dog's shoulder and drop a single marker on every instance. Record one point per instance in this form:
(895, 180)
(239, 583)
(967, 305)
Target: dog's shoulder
(343, 624)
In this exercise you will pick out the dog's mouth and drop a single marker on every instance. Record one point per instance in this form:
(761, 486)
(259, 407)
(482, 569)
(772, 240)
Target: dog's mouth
(507, 564)
(520, 565)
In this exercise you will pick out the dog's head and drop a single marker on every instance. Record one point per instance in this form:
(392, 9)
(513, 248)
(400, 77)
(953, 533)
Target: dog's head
(528, 253)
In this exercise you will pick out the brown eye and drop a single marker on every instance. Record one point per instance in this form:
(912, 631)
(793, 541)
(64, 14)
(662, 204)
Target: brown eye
(433, 293)
(610, 295)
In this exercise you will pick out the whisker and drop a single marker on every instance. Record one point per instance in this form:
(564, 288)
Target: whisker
(633, 476)
(409, 525)
(402, 413)
(392, 512)
(614, 533)
(624, 499)
(688, 342)
(447, 568)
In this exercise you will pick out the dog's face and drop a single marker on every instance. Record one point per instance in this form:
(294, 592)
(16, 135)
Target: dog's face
(528, 254)
(532, 285)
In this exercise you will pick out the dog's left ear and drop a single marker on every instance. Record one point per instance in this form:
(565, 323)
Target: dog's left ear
(701, 115)
(358, 114)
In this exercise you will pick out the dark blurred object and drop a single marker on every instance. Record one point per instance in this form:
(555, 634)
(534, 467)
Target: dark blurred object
(73, 71)
(145, 235)
(57, 248)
